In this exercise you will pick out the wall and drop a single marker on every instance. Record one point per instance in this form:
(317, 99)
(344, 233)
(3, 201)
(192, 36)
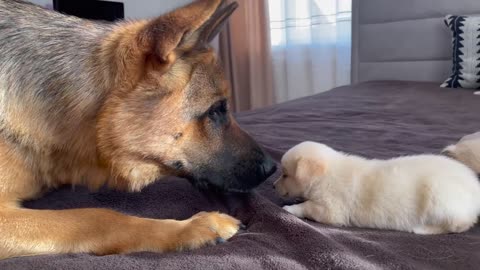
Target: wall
(42, 2)
(137, 9)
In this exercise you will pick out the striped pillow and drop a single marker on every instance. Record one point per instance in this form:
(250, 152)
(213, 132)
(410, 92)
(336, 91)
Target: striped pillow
(466, 52)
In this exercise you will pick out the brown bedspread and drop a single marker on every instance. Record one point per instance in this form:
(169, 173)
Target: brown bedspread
(377, 119)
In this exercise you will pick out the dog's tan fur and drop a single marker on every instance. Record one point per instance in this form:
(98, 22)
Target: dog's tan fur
(120, 130)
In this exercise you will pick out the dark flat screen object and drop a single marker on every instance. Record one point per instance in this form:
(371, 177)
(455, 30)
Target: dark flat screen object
(90, 9)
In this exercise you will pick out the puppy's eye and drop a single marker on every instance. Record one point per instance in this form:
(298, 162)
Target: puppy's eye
(284, 176)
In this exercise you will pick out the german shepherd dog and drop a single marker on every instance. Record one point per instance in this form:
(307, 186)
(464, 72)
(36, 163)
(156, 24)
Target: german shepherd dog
(120, 104)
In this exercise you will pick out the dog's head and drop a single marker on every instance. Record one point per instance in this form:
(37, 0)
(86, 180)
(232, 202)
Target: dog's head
(168, 114)
(302, 165)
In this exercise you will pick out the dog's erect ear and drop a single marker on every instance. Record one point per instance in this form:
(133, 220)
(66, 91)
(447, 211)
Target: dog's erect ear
(308, 168)
(213, 26)
(185, 28)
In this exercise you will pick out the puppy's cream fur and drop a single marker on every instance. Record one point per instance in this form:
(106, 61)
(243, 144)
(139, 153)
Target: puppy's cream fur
(424, 194)
(467, 151)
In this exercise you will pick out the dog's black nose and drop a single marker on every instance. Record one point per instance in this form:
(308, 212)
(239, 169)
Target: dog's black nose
(269, 166)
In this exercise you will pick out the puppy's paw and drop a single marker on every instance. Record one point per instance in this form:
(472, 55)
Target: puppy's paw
(294, 210)
(428, 230)
(208, 228)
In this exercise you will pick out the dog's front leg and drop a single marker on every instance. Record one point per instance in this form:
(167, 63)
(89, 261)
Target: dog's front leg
(31, 232)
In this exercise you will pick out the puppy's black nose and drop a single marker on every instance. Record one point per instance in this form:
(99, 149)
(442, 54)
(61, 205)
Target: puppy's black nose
(269, 166)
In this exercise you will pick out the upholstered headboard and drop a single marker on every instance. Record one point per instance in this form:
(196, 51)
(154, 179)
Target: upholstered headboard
(404, 39)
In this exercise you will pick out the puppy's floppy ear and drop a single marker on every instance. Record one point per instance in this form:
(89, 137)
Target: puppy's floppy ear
(184, 29)
(308, 167)
(449, 151)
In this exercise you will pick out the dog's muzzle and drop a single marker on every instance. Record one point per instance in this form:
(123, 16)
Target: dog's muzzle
(241, 176)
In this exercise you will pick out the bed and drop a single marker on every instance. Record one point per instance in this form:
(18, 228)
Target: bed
(395, 107)
(375, 119)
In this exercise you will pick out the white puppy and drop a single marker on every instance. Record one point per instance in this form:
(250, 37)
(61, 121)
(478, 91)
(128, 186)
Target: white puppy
(424, 194)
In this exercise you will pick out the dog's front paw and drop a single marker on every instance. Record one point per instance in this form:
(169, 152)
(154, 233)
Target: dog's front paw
(294, 210)
(208, 228)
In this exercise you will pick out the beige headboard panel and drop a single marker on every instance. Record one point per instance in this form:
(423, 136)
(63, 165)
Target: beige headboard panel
(404, 39)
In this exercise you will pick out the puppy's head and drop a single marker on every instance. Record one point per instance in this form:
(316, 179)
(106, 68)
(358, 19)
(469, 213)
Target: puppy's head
(302, 165)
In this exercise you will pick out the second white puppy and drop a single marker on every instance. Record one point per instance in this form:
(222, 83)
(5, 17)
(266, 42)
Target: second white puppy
(424, 194)
(467, 151)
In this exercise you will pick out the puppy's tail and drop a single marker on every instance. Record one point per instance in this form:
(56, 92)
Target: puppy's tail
(449, 151)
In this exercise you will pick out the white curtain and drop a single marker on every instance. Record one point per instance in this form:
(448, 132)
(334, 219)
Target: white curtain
(311, 46)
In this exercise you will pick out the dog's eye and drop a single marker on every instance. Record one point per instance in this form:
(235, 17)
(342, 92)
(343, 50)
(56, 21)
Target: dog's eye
(284, 176)
(218, 109)
(213, 113)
